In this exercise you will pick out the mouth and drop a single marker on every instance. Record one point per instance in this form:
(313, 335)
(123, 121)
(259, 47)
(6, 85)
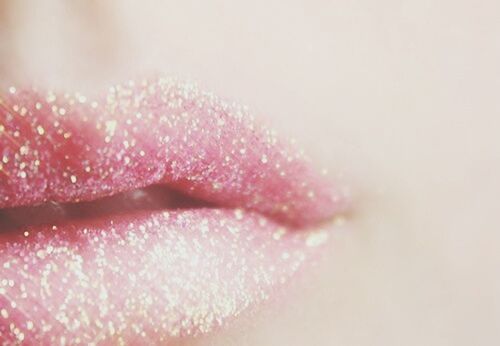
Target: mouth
(153, 212)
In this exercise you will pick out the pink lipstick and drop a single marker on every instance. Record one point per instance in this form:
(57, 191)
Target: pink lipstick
(151, 274)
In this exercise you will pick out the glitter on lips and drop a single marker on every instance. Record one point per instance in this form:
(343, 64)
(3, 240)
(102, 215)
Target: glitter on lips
(150, 275)
(68, 148)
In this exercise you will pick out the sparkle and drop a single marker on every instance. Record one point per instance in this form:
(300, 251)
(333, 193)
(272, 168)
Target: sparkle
(40, 130)
(316, 238)
(111, 127)
(24, 150)
(51, 97)
(238, 213)
(279, 233)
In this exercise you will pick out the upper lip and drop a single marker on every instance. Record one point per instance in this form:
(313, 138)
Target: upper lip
(65, 148)
(68, 148)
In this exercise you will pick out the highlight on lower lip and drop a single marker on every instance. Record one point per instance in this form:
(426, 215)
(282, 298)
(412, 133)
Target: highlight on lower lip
(152, 276)
(148, 275)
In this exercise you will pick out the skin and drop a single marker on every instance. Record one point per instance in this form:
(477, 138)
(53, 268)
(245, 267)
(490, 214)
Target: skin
(400, 98)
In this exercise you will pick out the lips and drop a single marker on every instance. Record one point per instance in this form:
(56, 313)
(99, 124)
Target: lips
(257, 213)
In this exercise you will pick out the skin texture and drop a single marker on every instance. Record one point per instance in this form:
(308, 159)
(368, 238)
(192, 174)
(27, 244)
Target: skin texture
(401, 98)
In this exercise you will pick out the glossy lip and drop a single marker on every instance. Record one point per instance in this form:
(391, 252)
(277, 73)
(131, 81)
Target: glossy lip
(150, 275)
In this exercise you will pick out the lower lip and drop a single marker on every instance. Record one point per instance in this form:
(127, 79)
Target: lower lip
(149, 276)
